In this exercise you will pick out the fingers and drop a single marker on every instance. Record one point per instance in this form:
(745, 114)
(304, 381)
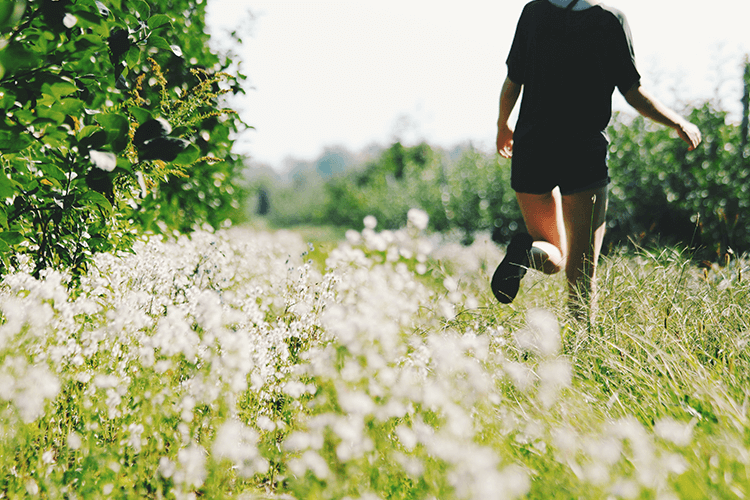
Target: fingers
(691, 135)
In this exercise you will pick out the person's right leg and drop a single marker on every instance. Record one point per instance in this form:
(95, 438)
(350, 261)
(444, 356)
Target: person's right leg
(584, 215)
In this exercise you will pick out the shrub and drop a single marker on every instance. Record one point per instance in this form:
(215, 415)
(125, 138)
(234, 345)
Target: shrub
(662, 192)
(84, 164)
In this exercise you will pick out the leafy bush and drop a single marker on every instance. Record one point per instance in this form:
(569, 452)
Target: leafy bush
(399, 179)
(83, 160)
(478, 197)
(662, 192)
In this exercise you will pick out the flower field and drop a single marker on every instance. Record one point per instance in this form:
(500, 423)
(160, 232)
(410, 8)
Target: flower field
(230, 365)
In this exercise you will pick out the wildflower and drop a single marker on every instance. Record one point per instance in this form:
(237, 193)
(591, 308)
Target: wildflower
(167, 468)
(192, 471)
(520, 375)
(134, 437)
(74, 441)
(407, 437)
(353, 237)
(541, 335)
(370, 222)
(311, 461)
(418, 218)
(554, 374)
(237, 443)
(674, 431)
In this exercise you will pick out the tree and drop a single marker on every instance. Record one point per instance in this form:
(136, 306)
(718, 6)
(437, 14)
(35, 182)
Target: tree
(111, 122)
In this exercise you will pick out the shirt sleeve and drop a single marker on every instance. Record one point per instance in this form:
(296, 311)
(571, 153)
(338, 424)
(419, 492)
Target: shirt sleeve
(626, 72)
(517, 55)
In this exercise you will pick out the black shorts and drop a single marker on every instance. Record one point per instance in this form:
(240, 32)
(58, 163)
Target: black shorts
(575, 165)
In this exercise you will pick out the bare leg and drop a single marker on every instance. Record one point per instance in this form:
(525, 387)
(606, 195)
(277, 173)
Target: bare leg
(542, 214)
(584, 215)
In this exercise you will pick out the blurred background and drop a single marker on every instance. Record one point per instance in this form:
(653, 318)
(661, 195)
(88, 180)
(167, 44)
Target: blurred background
(376, 107)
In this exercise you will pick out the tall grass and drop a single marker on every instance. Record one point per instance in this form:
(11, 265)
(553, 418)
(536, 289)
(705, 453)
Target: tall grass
(231, 365)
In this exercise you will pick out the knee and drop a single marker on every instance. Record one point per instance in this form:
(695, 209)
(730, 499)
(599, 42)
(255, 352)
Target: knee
(547, 258)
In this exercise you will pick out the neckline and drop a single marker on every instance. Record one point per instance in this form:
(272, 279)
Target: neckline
(577, 8)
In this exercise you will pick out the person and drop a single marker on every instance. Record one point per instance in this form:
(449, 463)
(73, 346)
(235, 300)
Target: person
(568, 56)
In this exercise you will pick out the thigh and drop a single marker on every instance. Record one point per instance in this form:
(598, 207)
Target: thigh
(542, 214)
(584, 216)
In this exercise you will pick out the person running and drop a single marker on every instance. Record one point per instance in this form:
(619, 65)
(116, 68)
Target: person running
(568, 56)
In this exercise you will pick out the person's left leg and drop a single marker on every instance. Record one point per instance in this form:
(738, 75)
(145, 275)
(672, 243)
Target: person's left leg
(541, 248)
(542, 214)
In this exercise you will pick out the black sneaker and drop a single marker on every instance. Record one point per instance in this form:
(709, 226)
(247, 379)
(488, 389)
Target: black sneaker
(507, 277)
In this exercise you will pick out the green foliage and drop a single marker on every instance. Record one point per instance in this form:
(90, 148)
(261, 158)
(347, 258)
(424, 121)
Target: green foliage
(78, 78)
(400, 179)
(662, 192)
(467, 194)
(479, 198)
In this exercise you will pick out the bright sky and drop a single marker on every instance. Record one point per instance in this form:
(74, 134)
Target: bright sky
(357, 72)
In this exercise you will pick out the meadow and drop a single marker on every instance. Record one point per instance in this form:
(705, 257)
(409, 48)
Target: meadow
(247, 364)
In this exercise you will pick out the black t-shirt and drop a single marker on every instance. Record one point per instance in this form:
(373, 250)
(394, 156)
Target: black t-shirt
(569, 63)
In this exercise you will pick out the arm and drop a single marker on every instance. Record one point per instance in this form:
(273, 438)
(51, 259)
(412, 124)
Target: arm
(650, 107)
(508, 97)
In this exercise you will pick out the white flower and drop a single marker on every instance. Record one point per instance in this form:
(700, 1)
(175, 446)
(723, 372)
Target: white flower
(265, 423)
(370, 222)
(541, 335)
(166, 467)
(674, 431)
(353, 237)
(238, 443)
(520, 374)
(407, 437)
(418, 218)
(192, 471)
(74, 441)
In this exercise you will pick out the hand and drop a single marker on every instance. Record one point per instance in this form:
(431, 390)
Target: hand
(690, 134)
(505, 141)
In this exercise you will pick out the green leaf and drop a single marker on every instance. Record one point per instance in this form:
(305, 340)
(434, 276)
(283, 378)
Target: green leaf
(159, 42)
(16, 57)
(49, 113)
(141, 115)
(144, 11)
(91, 137)
(133, 56)
(159, 20)
(125, 165)
(7, 186)
(4, 251)
(12, 142)
(53, 172)
(62, 89)
(116, 127)
(7, 99)
(3, 218)
(11, 12)
(71, 106)
(93, 198)
(11, 237)
(188, 156)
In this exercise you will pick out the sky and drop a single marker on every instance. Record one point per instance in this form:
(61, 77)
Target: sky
(355, 73)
